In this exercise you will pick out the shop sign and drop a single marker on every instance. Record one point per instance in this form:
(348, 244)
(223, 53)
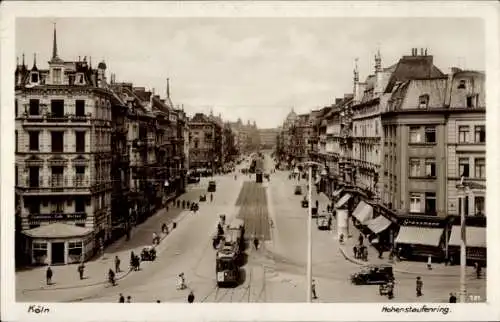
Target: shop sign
(59, 216)
(422, 223)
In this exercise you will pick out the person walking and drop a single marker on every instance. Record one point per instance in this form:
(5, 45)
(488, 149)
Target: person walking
(211, 197)
(317, 204)
(190, 297)
(81, 269)
(256, 243)
(48, 275)
(419, 285)
(117, 264)
(111, 277)
(313, 290)
(121, 299)
(360, 239)
(453, 298)
(129, 299)
(158, 301)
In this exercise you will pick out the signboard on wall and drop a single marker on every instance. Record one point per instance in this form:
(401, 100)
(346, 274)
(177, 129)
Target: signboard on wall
(58, 216)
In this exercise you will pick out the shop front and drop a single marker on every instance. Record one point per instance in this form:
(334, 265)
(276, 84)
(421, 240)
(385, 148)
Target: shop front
(59, 244)
(475, 240)
(421, 237)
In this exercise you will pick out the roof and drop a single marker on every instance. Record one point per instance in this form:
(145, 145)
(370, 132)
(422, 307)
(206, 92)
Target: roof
(411, 67)
(57, 230)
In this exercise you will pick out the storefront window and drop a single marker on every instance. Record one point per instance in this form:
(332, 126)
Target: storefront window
(415, 202)
(39, 252)
(75, 251)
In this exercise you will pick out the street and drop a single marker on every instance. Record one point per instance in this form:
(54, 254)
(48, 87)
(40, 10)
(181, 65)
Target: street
(275, 272)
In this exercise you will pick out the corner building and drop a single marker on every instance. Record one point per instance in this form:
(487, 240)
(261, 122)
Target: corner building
(63, 160)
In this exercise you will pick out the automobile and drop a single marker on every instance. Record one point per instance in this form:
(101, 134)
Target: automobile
(148, 253)
(305, 203)
(193, 179)
(324, 221)
(298, 190)
(212, 186)
(373, 274)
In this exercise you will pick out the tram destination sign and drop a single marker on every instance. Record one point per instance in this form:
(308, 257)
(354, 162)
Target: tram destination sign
(59, 216)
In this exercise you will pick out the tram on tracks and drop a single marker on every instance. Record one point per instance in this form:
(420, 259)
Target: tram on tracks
(229, 254)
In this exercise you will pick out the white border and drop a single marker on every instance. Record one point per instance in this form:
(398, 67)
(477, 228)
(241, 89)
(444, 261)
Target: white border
(239, 312)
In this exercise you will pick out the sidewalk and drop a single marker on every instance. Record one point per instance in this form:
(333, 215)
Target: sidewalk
(405, 267)
(67, 277)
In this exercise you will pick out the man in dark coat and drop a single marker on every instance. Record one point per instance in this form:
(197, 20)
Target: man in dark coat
(49, 276)
(121, 299)
(453, 298)
(191, 297)
(419, 285)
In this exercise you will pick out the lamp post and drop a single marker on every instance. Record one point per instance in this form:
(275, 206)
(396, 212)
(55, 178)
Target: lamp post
(462, 186)
(309, 232)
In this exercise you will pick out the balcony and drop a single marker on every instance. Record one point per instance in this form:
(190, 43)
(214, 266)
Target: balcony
(49, 119)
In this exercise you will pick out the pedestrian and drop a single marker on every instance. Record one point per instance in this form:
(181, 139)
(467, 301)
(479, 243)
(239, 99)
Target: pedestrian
(111, 277)
(453, 298)
(355, 251)
(117, 264)
(380, 252)
(429, 262)
(81, 268)
(183, 204)
(49, 275)
(478, 270)
(132, 260)
(360, 240)
(211, 197)
(157, 301)
(419, 285)
(121, 298)
(190, 297)
(256, 243)
(129, 299)
(178, 203)
(166, 206)
(313, 289)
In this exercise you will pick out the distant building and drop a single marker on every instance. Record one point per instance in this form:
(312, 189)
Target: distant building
(268, 138)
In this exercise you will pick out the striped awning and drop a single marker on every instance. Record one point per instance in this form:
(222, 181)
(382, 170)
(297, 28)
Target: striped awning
(363, 212)
(474, 236)
(345, 198)
(414, 235)
(378, 224)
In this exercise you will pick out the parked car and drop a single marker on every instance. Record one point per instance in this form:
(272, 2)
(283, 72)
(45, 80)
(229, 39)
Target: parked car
(375, 274)
(212, 186)
(298, 190)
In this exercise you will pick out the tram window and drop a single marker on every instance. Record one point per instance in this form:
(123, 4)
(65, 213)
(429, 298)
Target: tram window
(224, 265)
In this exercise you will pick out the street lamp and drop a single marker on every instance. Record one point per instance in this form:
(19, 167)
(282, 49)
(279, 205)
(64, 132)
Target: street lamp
(309, 230)
(462, 186)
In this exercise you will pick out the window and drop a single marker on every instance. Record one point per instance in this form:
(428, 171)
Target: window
(414, 167)
(471, 101)
(430, 168)
(34, 177)
(80, 108)
(16, 108)
(196, 143)
(16, 142)
(57, 176)
(57, 205)
(39, 251)
(423, 101)
(463, 134)
(80, 204)
(480, 168)
(430, 203)
(415, 202)
(56, 72)
(57, 108)
(79, 79)
(463, 167)
(34, 107)
(480, 134)
(75, 251)
(430, 134)
(479, 205)
(57, 141)
(34, 135)
(461, 84)
(415, 134)
(80, 141)
(34, 77)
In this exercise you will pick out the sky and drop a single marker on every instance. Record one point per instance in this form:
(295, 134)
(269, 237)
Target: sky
(255, 69)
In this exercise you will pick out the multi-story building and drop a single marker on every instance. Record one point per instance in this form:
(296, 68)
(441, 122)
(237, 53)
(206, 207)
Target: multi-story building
(202, 142)
(63, 159)
(268, 138)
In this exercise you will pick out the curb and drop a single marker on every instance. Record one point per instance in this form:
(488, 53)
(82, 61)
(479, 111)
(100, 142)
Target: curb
(362, 263)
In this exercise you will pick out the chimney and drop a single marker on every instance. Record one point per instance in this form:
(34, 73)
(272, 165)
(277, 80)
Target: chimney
(421, 51)
(425, 51)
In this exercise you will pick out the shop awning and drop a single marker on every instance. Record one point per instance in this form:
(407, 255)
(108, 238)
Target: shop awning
(378, 224)
(57, 230)
(345, 198)
(475, 236)
(363, 212)
(337, 193)
(415, 235)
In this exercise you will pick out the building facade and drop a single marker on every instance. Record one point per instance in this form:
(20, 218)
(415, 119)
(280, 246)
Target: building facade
(63, 159)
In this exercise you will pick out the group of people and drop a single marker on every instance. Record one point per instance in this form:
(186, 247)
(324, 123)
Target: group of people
(121, 299)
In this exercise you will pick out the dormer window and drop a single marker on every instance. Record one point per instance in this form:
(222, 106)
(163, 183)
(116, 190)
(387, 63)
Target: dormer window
(423, 101)
(80, 80)
(56, 76)
(34, 78)
(461, 85)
